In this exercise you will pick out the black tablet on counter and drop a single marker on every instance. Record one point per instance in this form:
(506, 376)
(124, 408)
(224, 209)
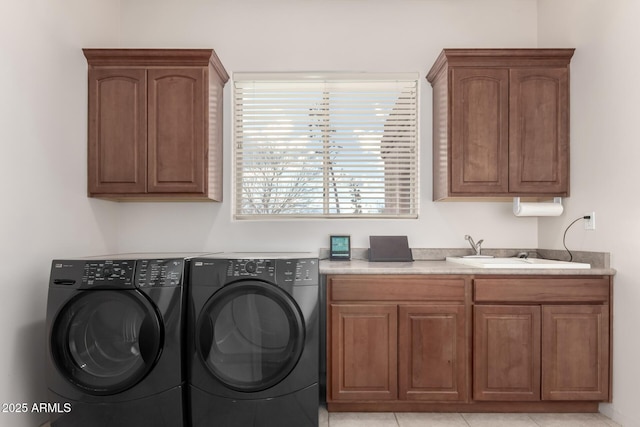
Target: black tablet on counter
(389, 249)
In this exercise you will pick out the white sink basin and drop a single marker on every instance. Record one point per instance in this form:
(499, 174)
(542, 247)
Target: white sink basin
(517, 263)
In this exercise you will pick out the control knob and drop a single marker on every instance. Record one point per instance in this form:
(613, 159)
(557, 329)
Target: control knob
(250, 267)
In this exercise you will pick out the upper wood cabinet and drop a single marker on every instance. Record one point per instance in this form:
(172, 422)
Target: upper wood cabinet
(155, 124)
(501, 123)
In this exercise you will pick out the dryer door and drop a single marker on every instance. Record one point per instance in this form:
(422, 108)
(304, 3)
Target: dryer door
(250, 335)
(106, 341)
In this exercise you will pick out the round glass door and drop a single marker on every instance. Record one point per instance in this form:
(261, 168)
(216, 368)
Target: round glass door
(250, 335)
(106, 341)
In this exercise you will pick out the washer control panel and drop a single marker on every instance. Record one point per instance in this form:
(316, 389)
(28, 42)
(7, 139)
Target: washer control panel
(82, 274)
(159, 272)
(117, 274)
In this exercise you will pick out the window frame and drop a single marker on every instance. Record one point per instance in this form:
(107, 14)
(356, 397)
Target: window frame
(284, 77)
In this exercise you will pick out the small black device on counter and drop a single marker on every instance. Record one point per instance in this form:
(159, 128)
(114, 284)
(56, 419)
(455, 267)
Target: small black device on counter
(389, 249)
(340, 248)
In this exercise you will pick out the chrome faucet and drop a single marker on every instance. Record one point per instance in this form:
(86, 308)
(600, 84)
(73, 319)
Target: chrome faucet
(475, 246)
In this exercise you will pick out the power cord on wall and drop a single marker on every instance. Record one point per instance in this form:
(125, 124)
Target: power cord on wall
(587, 217)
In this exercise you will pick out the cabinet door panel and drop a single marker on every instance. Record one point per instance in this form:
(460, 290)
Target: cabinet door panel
(506, 347)
(432, 352)
(479, 130)
(541, 289)
(539, 131)
(575, 352)
(389, 288)
(363, 352)
(177, 131)
(117, 147)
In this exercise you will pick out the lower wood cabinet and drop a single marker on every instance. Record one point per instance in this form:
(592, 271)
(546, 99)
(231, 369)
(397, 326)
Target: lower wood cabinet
(364, 349)
(383, 348)
(431, 352)
(553, 347)
(575, 352)
(468, 343)
(506, 353)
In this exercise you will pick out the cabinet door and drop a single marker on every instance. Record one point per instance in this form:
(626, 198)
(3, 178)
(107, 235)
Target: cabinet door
(575, 352)
(432, 352)
(506, 353)
(539, 131)
(479, 130)
(117, 149)
(363, 352)
(177, 130)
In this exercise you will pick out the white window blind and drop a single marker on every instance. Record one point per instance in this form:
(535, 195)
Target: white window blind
(325, 147)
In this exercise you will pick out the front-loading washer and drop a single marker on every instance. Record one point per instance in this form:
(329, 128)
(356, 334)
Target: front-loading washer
(253, 340)
(115, 340)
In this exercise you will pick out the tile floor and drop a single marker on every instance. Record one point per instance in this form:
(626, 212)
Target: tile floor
(417, 419)
(407, 419)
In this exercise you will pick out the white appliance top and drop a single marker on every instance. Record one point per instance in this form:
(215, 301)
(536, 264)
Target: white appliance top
(149, 255)
(263, 255)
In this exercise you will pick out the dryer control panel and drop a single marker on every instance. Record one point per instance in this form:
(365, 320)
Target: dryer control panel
(264, 269)
(108, 273)
(281, 271)
(298, 271)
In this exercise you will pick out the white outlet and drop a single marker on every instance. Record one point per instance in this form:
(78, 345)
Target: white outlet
(590, 224)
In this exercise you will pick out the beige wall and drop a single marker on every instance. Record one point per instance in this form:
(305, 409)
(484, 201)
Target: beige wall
(44, 211)
(326, 35)
(605, 175)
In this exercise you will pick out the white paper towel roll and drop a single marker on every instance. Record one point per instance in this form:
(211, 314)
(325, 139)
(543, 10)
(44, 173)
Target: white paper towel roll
(537, 209)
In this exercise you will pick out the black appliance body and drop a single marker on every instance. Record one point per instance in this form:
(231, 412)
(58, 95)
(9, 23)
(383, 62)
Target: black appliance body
(253, 340)
(115, 342)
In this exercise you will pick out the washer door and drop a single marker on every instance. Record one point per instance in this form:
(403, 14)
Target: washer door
(106, 341)
(250, 335)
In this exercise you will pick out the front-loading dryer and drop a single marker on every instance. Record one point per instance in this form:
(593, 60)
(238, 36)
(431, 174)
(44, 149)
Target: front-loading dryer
(253, 340)
(115, 341)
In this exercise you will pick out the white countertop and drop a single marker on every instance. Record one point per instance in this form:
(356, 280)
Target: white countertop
(443, 267)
